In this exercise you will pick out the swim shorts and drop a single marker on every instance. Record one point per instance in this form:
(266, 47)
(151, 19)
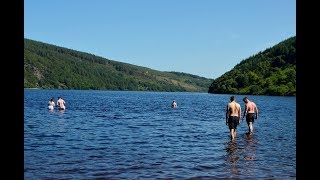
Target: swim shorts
(250, 117)
(233, 122)
(50, 107)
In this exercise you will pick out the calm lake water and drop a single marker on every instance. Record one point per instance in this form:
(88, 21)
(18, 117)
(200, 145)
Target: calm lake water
(137, 135)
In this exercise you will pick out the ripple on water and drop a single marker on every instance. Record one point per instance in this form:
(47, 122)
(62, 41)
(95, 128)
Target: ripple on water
(137, 135)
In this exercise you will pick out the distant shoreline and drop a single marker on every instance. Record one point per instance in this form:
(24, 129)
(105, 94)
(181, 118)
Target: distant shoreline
(32, 88)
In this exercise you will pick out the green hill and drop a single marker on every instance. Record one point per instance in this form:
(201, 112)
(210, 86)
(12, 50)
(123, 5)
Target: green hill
(271, 72)
(52, 67)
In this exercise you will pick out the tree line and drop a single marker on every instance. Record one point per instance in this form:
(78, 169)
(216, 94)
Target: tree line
(271, 72)
(48, 66)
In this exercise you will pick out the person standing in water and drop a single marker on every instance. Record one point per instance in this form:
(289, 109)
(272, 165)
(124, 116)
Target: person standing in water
(174, 104)
(250, 112)
(61, 104)
(233, 115)
(51, 104)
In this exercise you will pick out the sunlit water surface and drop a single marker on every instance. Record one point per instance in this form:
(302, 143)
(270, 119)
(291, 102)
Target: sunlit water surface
(137, 135)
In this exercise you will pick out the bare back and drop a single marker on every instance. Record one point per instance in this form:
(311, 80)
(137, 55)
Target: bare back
(234, 109)
(61, 103)
(251, 107)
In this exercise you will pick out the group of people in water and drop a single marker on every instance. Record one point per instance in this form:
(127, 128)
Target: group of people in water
(61, 104)
(233, 115)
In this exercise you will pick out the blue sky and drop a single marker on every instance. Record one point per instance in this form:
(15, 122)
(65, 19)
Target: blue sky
(201, 37)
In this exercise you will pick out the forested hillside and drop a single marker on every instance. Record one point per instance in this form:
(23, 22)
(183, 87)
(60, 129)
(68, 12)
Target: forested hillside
(271, 72)
(52, 67)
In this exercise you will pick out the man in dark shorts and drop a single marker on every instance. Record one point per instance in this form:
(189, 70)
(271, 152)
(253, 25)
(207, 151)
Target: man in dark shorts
(233, 115)
(250, 112)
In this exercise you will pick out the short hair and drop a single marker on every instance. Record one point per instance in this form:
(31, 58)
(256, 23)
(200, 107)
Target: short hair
(231, 98)
(245, 98)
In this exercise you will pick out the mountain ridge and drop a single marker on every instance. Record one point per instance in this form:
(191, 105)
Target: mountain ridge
(269, 72)
(50, 66)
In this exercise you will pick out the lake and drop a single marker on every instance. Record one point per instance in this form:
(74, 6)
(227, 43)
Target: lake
(137, 135)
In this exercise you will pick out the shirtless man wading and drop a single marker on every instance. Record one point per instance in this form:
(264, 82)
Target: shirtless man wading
(250, 112)
(233, 114)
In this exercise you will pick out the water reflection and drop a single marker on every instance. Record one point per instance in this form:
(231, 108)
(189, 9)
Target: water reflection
(250, 149)
(232, 152)
(249, 154)
(241, 155)
(232, 157)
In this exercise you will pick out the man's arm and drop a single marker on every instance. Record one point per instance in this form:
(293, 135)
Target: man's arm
(244, 111)
(239, 114)
(227, 114)
(256, 109)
